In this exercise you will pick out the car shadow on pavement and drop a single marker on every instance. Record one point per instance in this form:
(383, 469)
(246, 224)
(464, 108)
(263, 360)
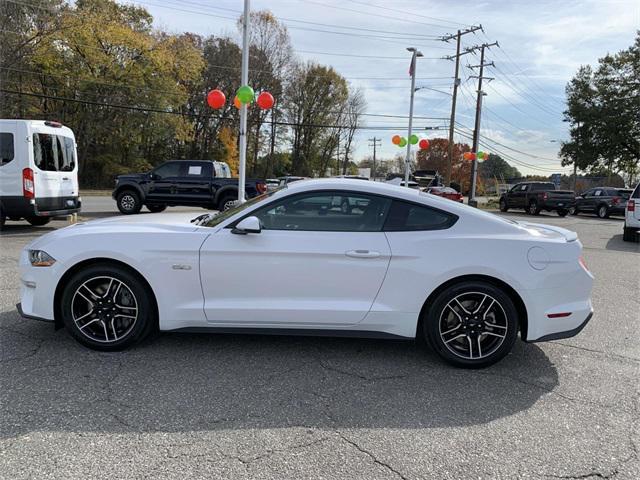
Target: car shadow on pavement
(616, 243)
(188, 382)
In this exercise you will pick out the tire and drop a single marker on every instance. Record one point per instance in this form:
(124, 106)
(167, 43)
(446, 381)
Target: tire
(533, 208)
(156, 208)
(503, 205)
(630, 235)
(603, 211)
(101, 318)
(38, 221)
(3, 219)
(573, 210)
(129, 202)
(562, 213)
(499, 330)
(227, 202)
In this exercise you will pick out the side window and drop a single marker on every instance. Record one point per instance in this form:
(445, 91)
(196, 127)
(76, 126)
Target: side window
(410, 217)
(6, 148)
(588, 193)
(523, 188)
(598, 193)
(170, 169)
(46, 150)
(193, 170)
(326, 212)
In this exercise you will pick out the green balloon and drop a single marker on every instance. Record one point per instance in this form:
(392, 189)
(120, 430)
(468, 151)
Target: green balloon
(403, 142)
(480, 155)
(245, 94)
(413, 139)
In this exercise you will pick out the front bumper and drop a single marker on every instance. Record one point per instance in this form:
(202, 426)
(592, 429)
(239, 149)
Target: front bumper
(31, 317)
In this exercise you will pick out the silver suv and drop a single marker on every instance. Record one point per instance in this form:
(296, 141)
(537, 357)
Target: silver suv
(631, 232)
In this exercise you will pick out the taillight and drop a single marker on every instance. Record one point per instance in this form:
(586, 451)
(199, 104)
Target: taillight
(615, 200)
(545, 196)
(261, 187)
(631, 205)
(28, 187)
(583, 264)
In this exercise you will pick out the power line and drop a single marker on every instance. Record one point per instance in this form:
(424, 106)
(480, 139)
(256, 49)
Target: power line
(412, 13)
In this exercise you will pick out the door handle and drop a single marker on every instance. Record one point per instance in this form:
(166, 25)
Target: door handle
(66, 178)
(362, 254)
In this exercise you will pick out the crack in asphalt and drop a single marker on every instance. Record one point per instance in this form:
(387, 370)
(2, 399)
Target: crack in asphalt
(372, 456)
(611, 355)
(357, 375)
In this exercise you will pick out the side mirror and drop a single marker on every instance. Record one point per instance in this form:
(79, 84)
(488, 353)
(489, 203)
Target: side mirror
(247, 225)
(154, 176)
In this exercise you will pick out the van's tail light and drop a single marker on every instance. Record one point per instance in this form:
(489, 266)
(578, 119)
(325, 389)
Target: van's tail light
(631, 205)
(28, 187)
(261, 187)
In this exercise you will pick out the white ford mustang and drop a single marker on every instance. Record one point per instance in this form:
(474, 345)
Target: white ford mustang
(321, 257)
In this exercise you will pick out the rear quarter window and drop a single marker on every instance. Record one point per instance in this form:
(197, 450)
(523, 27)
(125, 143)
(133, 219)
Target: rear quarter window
(411, 217)
(7, 152)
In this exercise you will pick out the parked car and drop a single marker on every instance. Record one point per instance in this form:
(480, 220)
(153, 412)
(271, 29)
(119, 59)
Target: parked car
(404, 265)
(286, 180)
(272, 183)
(631, 231)
(446, 192)
(534, 197)
(603, 201)
(180, 182)
(38, 171)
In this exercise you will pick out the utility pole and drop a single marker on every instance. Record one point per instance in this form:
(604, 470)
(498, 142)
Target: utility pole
(575, 160)
(415, 53)
(476, 130)
(456, 84)
(243, 109)
(376, 143)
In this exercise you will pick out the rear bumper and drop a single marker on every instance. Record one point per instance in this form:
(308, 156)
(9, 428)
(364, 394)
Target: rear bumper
(564, 334)
(558, 204)
(21, 207)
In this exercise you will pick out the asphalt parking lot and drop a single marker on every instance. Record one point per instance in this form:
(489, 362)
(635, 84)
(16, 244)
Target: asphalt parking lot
(229, 406)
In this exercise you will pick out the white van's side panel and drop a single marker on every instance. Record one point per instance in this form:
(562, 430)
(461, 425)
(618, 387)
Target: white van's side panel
(11, 172)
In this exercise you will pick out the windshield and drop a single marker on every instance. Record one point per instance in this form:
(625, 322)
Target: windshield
(222, 216)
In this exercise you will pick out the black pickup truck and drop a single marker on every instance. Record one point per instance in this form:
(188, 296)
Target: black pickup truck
(534, 197)
(180, 182)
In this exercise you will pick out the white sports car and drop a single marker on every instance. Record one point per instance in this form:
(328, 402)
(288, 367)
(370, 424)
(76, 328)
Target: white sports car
(320, 257)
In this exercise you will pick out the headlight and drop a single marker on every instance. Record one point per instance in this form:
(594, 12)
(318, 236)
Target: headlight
(40, 258)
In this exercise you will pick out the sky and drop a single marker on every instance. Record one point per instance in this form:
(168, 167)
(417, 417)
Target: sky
(541, 46)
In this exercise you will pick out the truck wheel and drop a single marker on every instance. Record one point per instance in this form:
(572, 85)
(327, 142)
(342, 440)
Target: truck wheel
(533, 208)
(503, 205)
(630, 235)
(603, 211)
(227, 202)
(128, 202)
(562, 213)
(573, 210)
(156, 208)
(38, 221)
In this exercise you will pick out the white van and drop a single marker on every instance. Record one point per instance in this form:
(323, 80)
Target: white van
(38, 171)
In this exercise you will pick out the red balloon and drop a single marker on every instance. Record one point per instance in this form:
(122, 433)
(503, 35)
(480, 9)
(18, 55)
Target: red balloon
(395, 139)
(216, 99)
(236, 102)
(265, 100)
(423, 144)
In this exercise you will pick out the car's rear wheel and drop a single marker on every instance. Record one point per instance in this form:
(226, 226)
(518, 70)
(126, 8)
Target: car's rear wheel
(38, 221)
(107, 307)
(630, 235)
(129, 202)
(533, 208)
(503, 205)
(156, 208)
(471, 324)
(603, 211)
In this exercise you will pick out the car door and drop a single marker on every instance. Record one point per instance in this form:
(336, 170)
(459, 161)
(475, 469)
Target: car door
(163, 182)
(312, 265)
(519, 196)
(592, 199)
(193, 186)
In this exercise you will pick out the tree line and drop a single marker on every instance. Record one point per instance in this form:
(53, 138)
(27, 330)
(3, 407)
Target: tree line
(135, 95)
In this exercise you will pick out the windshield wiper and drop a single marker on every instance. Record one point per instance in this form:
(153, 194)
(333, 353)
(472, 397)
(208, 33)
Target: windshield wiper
(201, 219)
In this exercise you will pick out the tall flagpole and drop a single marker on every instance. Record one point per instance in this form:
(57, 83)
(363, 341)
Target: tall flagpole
(243, 108)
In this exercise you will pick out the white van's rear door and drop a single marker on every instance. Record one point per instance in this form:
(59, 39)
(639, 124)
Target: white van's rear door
(54, 158)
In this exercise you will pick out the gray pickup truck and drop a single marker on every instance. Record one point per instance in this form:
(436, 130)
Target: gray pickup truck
(534, 197)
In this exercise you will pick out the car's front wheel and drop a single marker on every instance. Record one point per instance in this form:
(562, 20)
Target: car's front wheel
(107, 307)
(533, 208)
(503, 205)
(471, 324)
(573, 210)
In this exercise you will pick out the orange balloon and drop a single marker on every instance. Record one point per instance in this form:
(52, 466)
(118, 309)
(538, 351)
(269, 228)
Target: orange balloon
(395, 139)
(236, 102)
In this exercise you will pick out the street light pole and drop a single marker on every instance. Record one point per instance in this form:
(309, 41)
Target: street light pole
(243, 109)
(412, 71)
